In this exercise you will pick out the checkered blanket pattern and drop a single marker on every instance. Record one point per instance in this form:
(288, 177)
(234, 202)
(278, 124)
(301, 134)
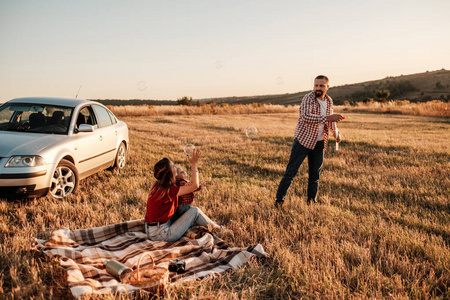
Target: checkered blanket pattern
(83, 253)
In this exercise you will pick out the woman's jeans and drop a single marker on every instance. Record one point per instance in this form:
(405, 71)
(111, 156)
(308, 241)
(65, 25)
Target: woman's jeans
(315, 160)
(173, 231)
(180, 211)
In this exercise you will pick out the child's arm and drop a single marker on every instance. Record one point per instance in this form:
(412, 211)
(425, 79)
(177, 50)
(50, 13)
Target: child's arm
(202, 185)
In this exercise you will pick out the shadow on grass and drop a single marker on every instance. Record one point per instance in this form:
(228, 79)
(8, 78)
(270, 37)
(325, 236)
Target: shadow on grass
(278, 140)
(410, 200)
(251, 171)
(369, 153)
(164, 121)
(223, 128)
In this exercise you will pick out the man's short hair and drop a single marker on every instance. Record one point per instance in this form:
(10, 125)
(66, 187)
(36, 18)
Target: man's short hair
(323, 77)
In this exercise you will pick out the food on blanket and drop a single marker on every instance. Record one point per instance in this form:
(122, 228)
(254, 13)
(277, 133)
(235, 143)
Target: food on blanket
(144, 279)
(149, 277)
(144, 274)
(117, 269)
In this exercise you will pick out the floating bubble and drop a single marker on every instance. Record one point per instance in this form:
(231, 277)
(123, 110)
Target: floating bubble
(189, 149)
(142, 86)
(219, 64)
(251, 132)
(279, 80)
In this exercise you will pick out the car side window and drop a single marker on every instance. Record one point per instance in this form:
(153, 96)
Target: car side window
(113, 117)
(102, 116)
(86, 116)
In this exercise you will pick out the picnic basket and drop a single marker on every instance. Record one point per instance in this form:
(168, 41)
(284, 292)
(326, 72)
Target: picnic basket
(152, 278)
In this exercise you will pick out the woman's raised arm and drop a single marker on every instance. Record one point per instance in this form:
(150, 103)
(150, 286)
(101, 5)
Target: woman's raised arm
(194, 184)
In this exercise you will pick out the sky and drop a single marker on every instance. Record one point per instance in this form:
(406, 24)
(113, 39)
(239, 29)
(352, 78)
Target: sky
(165, 50)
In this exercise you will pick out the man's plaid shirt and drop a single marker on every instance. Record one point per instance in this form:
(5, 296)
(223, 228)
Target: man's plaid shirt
(307, 128)
(188, 198)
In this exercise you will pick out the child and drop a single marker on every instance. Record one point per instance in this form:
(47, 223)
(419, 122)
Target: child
(184, 201)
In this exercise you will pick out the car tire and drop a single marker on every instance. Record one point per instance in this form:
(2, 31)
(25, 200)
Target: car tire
(121, 157)
(64, 181)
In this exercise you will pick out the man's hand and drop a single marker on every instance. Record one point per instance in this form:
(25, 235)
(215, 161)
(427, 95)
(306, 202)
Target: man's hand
(335, 118)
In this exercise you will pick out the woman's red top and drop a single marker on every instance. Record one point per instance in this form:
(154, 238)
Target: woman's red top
(161, 210)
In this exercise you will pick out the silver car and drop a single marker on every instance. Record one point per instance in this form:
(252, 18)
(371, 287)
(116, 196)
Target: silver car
(47, 145)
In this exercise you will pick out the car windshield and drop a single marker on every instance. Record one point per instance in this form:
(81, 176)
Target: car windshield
(30, 117)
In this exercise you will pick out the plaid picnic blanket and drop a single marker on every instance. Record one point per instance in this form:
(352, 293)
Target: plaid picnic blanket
(83, 253)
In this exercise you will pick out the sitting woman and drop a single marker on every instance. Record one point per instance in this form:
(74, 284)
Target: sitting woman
(162, 203)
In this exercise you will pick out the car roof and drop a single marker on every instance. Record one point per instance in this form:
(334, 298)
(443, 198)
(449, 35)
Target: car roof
(71, 102)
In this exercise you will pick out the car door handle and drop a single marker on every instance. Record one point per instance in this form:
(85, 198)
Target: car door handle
(100, 138)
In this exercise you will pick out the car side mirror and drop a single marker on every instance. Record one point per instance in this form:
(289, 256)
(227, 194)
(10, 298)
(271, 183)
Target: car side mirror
(85, 128)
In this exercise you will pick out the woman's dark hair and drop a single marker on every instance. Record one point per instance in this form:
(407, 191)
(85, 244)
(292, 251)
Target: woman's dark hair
(164, 177)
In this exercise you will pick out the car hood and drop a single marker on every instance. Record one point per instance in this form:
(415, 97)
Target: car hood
(21, 143)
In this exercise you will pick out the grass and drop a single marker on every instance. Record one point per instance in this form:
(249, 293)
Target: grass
(381, 230)
(202, 109)
(434, 108)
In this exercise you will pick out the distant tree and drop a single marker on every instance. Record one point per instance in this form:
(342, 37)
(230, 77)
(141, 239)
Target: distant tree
(187, 101)
(382, 95)
(399, 89)
(439, 85)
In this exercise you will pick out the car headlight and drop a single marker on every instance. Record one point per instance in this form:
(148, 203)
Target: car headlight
(24, 161)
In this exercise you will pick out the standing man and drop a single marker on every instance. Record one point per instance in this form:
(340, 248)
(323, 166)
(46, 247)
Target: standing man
(311, 138)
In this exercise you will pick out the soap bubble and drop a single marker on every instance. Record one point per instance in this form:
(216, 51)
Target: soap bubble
(279, 80)
(251, 132)
(189, 149)
(219, 64)
(142, 86)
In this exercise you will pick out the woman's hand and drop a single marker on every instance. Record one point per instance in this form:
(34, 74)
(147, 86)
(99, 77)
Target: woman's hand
(194, 184)
(195, 156)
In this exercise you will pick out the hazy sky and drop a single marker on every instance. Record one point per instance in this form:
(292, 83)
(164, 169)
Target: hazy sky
(145, 49)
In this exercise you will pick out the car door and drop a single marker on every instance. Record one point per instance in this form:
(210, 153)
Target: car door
(108, 133)
(91, 149)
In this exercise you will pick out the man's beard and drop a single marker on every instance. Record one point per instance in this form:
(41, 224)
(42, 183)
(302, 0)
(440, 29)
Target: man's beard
(318, 93)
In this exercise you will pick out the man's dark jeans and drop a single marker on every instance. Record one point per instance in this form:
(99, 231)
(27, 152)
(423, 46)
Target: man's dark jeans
(315, 160)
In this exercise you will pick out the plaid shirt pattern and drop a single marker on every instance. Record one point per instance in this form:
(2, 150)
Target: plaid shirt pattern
(188, 198)
(307, 128)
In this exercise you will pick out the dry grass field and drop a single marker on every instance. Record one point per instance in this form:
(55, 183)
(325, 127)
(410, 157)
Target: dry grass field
(434, 108)
(380, 231)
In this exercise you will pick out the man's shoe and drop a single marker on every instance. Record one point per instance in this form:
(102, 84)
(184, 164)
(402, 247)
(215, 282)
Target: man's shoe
(278, 204)
(311, 201)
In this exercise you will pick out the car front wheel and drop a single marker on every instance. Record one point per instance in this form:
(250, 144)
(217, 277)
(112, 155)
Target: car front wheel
(64, 180)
